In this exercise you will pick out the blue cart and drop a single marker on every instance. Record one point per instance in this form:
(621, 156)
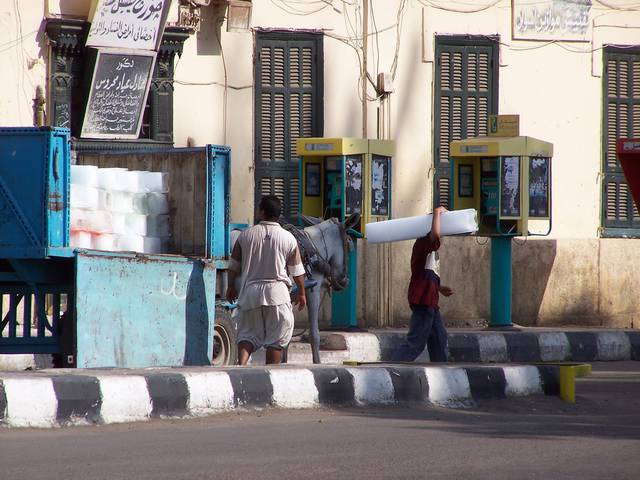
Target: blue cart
(111, 309)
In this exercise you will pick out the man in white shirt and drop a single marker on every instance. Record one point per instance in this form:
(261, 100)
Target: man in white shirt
(265, 256)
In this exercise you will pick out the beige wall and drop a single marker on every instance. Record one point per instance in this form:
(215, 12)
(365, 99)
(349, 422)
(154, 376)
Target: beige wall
(556, 88)
(22, 59)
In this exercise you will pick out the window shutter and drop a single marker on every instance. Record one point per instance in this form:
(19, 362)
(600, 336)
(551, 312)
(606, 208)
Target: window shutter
(465, 97)
(288, 106)
(622, 119)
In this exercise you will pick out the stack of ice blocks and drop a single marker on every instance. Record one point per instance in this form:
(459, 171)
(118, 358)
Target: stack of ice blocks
(116, 209)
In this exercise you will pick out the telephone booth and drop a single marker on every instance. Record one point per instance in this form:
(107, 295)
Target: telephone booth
(507, 179)
(339, 177)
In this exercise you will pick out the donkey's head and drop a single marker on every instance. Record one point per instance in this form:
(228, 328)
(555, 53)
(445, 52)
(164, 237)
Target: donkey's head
(334, 242)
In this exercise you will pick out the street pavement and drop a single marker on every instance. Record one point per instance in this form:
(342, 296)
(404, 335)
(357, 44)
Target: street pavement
(525, 438)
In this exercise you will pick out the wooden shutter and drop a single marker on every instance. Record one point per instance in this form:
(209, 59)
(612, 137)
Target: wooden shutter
(288, 101)
(465, 95)
(621, 119)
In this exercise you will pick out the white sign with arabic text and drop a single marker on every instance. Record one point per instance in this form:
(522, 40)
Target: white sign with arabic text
(563, 20)
(128, 23)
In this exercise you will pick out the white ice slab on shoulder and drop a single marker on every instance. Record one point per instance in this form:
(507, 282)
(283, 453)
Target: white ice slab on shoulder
(451, 223)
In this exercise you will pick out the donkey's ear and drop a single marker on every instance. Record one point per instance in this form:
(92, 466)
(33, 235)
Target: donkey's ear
(352, 221)
(309, 221)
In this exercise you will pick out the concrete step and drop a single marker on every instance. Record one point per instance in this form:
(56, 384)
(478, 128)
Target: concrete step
(300, 354)
(17, 362)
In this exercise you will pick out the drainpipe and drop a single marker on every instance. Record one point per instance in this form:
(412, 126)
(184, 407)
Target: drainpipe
(365, 51)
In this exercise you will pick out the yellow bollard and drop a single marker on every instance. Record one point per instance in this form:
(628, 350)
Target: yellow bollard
(568, 375)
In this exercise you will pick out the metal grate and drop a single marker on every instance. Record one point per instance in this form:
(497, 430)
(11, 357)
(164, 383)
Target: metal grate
(30, 323)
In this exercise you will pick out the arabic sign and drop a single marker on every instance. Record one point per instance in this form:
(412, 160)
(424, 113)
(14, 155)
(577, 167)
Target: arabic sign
(504, 125)
(565, 20)
(118, 94)
(128, 23)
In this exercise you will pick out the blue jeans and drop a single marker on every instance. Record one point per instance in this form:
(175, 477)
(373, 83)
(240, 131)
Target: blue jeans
(425, 328)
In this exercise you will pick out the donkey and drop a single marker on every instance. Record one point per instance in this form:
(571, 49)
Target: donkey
(324, 246)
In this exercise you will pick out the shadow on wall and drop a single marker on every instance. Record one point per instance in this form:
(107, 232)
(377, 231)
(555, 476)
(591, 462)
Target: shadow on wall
(465, 265)
(532, 262)
(210, 34)
(71, 8)
(196, 319)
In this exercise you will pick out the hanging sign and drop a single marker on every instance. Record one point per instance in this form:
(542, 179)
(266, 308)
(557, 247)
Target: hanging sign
(564, 20)
(127, 23)
(503, 125)
(118, 94)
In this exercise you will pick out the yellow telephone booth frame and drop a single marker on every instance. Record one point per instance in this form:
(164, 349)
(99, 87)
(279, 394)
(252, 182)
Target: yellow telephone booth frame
(526, 154)
(320, 156)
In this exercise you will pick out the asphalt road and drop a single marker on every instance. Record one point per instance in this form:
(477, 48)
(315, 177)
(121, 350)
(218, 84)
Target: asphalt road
(537, 437)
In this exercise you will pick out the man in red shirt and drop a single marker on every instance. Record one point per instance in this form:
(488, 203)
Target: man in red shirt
(426, 327)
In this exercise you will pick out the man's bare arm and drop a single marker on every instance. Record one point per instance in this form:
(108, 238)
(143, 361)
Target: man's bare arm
(235, 267)
(435, 224)
(301, 299)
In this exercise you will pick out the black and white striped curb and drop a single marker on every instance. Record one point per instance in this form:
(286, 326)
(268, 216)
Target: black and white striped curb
(82, 398)
(496, 347)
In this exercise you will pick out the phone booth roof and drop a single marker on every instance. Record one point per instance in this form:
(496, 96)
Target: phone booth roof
(324, 147)
(501, 146)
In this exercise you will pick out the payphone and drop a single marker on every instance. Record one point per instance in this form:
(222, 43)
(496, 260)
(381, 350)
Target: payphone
(339, 177)
(507, 179)
(331, 174)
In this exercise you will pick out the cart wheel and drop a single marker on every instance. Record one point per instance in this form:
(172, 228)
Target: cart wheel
(225, 350)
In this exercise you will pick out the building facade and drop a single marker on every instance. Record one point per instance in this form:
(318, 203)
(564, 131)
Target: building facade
(258, 75)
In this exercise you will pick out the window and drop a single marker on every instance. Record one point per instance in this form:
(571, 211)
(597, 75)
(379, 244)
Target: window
(68, 80)
(621, 119)
(466, 93)
(288, 106)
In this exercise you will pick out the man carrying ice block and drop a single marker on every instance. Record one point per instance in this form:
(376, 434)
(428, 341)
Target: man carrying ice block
(426, 327)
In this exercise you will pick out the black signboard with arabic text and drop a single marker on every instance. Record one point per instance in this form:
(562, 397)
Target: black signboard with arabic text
(118, 94)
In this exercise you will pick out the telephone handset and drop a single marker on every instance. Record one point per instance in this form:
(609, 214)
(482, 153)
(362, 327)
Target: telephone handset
(333, 194)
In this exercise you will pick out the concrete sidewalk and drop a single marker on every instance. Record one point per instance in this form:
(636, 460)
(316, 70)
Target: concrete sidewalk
(491, 346)
(465, 345)
(51, 398)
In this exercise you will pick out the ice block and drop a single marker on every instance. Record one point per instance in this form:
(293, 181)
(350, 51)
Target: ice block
(151, 203)
(108, 178)
(454, 222)
(152, 182)
(80, 239)
(84, 197)
(136, 224)
(130, 243)
(158, 226)
(105, 241)
(86, 175)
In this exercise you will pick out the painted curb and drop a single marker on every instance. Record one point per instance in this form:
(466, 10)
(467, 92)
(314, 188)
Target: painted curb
(498, 347)
(94, 397)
